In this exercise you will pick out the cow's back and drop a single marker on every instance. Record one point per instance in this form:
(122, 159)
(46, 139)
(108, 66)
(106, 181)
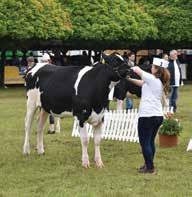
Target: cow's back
(56, 86)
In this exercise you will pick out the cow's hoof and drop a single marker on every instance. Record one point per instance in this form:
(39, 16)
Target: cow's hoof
(26, 151)
(86, 164)
(51, 132)
(99, 163)
(40, 152)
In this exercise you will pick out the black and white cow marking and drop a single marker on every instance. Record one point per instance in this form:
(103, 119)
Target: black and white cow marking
(80, 90)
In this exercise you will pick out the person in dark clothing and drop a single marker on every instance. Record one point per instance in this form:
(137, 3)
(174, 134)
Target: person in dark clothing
(175, 80)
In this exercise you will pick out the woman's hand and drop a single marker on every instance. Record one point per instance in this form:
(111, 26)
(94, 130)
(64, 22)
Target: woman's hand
(137, 70)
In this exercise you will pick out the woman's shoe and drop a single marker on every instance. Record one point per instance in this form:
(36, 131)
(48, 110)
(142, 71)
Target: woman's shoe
(142, 167)
(149, 171)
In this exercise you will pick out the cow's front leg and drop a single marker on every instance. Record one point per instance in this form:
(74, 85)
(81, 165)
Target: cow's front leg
(42, 120)
(84, 142)
(97, 140)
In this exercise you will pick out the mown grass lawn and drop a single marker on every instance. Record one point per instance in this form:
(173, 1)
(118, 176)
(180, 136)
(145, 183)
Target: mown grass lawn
(59, 173)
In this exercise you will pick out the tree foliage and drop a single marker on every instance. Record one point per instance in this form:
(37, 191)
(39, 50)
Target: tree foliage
(110, 20)
(123, 22)
(38, 19)
(173, 19)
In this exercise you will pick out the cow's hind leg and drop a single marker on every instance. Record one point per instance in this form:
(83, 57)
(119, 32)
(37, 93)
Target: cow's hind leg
(97, 140)
(84, 142)
(42, 119)
(31, 108)
(54, 125)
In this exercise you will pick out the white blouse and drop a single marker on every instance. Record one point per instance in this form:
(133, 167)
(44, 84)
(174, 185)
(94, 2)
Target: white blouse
(152, 91)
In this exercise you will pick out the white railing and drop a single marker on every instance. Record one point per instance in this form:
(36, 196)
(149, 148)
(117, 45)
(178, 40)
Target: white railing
(118, 125)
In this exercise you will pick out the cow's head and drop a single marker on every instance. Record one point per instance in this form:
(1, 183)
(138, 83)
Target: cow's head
(117, 63)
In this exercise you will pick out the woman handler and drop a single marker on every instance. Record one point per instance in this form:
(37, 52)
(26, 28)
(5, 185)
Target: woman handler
(154, 87)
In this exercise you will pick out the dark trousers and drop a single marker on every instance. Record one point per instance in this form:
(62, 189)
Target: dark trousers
(173, 98)
(147, 128)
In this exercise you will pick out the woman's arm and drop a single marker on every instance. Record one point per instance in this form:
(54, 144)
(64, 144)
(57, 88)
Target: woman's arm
(137, 82)
(146, 77)
(137, 70)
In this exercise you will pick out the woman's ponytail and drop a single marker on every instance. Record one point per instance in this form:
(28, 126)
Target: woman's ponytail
(164, 75)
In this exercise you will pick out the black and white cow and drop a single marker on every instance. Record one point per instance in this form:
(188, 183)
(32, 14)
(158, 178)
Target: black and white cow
(124, 86)
(80, 90)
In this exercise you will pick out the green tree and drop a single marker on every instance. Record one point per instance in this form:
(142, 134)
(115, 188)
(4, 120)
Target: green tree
(173, 19)
(31, 20)
(109, 21)
(39, 19)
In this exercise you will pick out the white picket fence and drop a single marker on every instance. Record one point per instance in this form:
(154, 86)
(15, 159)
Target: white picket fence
(118, 125)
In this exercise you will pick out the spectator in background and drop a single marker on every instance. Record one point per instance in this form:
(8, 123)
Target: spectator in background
(175, 80)
(165, 56)
(30, 62)
(131, 63)
(131, 59)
